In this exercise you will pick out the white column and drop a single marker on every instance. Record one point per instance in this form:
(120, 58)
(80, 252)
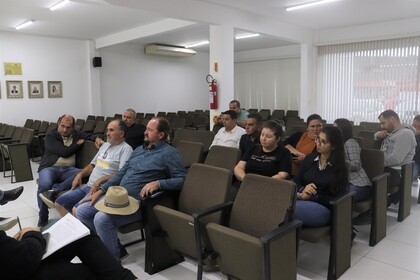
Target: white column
(308, 99)
(222, 66)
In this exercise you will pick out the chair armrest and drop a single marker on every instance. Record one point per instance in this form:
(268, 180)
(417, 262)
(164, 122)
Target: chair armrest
(8, 141)
(5, 138)
(341, 199)
(280, 231)
(19, 144)
(197, 216)
(380, 177)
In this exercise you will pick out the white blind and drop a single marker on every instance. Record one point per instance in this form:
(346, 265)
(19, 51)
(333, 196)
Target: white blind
(268, 84)
(360, 80)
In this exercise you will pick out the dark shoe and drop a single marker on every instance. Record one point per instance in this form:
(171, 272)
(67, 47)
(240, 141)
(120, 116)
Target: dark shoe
(123, 253)
(210, 264)
(49, 198)
(11, 195)
(42, 222)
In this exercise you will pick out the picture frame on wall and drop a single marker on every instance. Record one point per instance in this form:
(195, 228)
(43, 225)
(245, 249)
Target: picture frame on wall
(35, 89)
(55, 89)
(14, 89)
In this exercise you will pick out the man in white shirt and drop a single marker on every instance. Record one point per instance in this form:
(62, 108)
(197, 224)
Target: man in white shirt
(230, 134)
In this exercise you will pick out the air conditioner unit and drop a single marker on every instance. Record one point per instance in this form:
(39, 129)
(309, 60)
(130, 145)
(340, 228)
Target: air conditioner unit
(157, 49)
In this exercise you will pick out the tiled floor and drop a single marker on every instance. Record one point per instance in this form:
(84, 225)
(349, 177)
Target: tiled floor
(395, 257)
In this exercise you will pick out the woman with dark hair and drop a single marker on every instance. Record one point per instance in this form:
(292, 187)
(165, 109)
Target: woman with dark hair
(301, 144)
(358, 179)
(269, 158)
(322, 176)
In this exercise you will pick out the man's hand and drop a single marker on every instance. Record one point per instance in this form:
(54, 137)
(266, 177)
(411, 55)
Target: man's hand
(77, 181)
(93, 198)
(149, 188)
(18, 236)
(310, 189)
(80, 141)
(98, 142)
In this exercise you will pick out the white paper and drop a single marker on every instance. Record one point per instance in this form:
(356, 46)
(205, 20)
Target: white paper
(65, 231)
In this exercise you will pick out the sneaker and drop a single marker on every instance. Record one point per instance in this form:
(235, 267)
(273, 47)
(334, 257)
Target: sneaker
(49, 198)
(210, 264)
(123, 253)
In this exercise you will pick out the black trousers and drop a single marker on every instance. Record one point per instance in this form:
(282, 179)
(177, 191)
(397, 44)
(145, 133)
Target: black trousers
(97, 263)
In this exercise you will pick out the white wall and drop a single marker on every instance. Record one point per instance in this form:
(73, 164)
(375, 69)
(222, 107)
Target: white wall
(45, 59)
(149, 84)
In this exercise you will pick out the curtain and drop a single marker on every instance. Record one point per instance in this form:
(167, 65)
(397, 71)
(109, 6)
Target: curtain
(358, 81)
(268, 84)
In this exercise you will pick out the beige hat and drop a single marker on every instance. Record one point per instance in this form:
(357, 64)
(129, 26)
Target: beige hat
(117, 202)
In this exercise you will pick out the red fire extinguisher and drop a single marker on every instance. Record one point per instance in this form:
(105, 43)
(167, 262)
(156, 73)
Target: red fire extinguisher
(213, 91)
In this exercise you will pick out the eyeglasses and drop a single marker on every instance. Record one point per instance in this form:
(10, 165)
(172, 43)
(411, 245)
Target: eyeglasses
(320, 142)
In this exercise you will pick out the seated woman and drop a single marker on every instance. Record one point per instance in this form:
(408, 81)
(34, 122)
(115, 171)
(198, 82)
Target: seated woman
(359, 181)
(301, 144)
(268, 159)
(322, 176)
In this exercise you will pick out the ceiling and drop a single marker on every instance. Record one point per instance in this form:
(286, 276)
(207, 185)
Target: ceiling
(93, 19)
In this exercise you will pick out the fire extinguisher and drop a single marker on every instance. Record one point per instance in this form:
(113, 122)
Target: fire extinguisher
(213, 91)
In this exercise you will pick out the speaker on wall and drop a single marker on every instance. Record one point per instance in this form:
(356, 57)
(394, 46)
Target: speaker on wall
(97, 61)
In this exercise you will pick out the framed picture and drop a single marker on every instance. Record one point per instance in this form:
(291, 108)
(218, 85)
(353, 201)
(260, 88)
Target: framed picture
(55, 89)
(14, 89)
(35, 89)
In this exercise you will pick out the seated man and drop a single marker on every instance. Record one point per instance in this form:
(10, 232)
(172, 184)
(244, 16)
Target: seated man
(399, 146)
(110, 158)
(253, 131)
(153, 166)
(58, 164)
(230, 134)
(242, 115)
(135, 132)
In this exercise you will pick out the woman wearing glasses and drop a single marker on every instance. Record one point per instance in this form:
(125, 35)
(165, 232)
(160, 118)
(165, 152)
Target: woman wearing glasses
(301, 144)
(322, 176)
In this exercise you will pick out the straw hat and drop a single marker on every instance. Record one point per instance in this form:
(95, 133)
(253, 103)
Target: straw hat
(117, 202)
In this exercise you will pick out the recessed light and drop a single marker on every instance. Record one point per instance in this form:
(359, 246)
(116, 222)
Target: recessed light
(309, 5)
(192, 45)
(25, 24)
(244, 36)
(59, 5)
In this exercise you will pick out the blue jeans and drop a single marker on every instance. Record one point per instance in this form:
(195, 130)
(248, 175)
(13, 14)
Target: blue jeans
(312, 214)
(58, 178)
(71, 198)
(105, 225)
(362, 193)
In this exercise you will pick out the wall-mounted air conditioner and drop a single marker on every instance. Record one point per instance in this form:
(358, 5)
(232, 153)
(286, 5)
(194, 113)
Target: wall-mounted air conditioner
(157, 49)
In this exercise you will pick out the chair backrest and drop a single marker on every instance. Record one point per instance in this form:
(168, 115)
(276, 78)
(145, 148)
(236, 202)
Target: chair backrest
(292, 114)
(44, 126)
(87, 153)
(79, 124)
(204, 186)
(291, 129)
(27, 136)
(52, 126)
(149, 116)
(9, 131)
(191, 152)
(3, 128)
(118, 116)
(372, 126)
(100, 127)
(369, 141)
(17, 134)
(277, 115)
(36, 125)
(265, 114)
(177, 123)
(201, 136)
(88, 126)
(372, 162)
(262, 204)
(224, 157)
(28, 123)
(90, 117)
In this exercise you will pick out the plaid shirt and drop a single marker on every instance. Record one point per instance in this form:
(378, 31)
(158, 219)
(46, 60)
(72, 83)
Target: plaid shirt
(358, 175)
